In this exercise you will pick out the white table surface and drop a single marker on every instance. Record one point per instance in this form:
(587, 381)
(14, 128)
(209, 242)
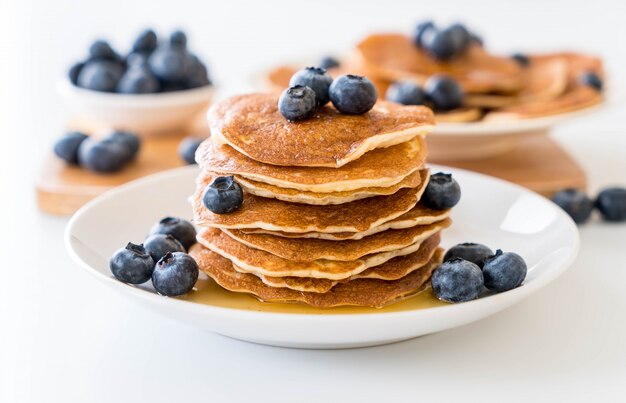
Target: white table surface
(65, 338)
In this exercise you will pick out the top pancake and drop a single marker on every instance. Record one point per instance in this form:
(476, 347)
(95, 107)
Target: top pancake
(383, 167)
(253, 126)
(395, 57)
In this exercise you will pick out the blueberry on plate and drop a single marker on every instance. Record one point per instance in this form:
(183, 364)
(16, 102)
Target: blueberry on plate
(592, 80)
(130, 141)
(138, 79)
(187, 149)
(100, 75)
(472, 252)
(67, 146)
(223, 195)
(405, 93)
(317, 79)
(74, 71)
(611, 203)
(575, 203)
(132, 264)
(442, 192)
(146, 42)
(444, 92)
(521, 59)
(504, 271)
(101, 50)
(328, 62)
(297, 103)
(460, 37)
(197, 73)
(440, 45)
(175, 274)
(178, 39)
(352, 94)
(421, 29)
(182, 230)
(102, 156)
(457, 280)
(157, 245)
(169, 64)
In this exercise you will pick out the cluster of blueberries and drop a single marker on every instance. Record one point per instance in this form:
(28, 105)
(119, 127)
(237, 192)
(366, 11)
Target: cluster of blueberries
(440, 92)
(610, 202)
(150, 67)
(105, 155)
(469, 268)
(162, 257)
(313, 87)
(444, 44)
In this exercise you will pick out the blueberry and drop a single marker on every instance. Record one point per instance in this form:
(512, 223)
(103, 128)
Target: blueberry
(353, 95)
(611, 203)
(187, 149)
(457, 280)
(521, 59)
(421, 28)
(297, 103)
(101, 50)
(472, 252)
(197, 73)
(66, 147)
(317, 79)
(441, 45)
(178, 39)
(180, 229)
(137, 59)
(102, 156)
(171, 87)
(74, 72)
(444, 92)
(504, 271)
(100, 76)
(223, 195)
(442, 192)
(130, 141)
(592, 80)
(132, 264)
(146, 42)
(138, 80)
(575, 203)
(406, 93)
(175, 274)
(157, 245)
(329, 62)
(460, 36)
(169, 64)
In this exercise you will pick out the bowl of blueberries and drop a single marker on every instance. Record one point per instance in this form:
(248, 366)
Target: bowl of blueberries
(158, 86)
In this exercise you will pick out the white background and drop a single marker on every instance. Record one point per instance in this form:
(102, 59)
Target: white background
(64, 338)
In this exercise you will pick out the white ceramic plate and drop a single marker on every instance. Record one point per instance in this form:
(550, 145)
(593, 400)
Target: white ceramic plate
(493, 212)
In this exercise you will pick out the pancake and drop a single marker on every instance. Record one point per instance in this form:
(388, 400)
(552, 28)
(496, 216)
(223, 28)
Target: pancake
(311, 249)
(394, 57)
(578, 64)
(393, 269)
(459, 115)
(252, 125)
(418, 215)
(257, 261)
(297, 196)
(277, 215)
(362, 292)
(383, 167)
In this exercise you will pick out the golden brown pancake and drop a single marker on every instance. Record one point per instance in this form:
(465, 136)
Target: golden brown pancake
(459, 115)
(394, 57)
(297, 196)
(418, 215)
(252, 125)
(393, 269)
(382, 167)
(578, 64)
(277, 215)
(362, 292)
(310, 249)
(260, 262)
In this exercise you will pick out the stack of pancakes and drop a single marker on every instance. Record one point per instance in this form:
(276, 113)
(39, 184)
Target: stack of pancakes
(331, 213)
(496, 87)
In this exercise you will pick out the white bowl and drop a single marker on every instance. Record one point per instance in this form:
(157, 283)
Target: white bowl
(493, 212)
(146, 114)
